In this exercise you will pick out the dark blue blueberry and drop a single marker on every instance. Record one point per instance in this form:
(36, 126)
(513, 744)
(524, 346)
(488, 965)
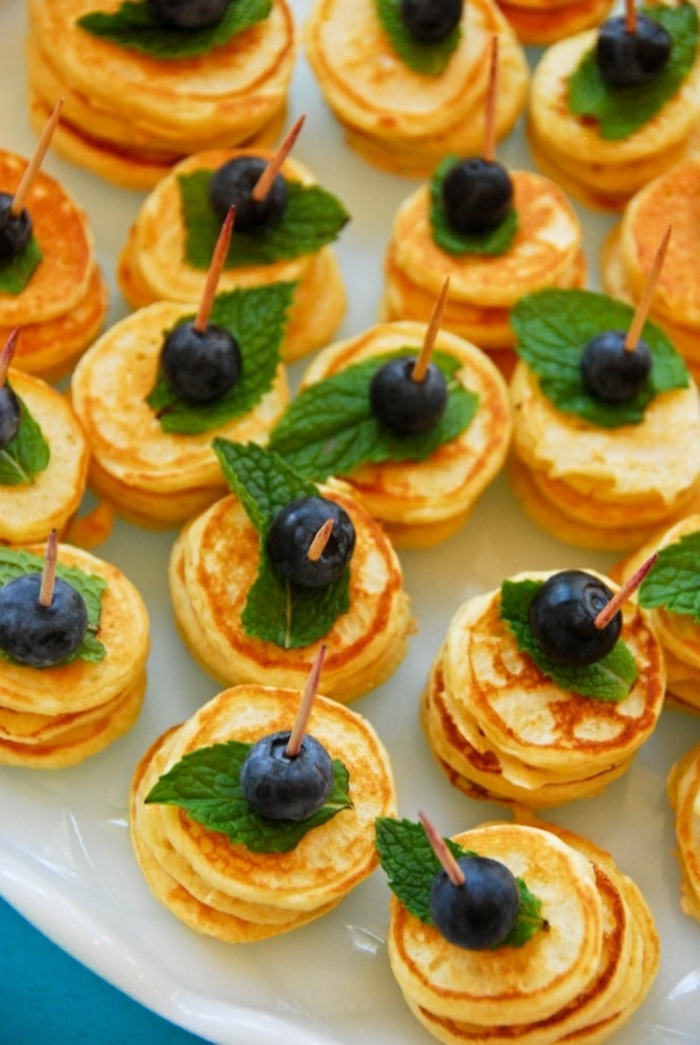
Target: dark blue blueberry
(290, 536)
(430, 20)
(283, 788)
(10, 415)
(479, 914)
(610, 372)
(187, 14)
(561, 617)
(405, 406)
(199, 365)
(36, 635)
(476, 195)
(232, 185)
(15, 229)
(629, 59)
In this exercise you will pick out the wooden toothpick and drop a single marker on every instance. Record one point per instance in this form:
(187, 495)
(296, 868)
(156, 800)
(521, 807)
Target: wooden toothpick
(423, 361)
(439, 847)
(490, 115)
(642, 309)
(262, 186)
(318, 545)
(6, 354)
(217, 263)
(48, 574)
(302, 719)
(630, 16)
(35, 162)
(627, 589)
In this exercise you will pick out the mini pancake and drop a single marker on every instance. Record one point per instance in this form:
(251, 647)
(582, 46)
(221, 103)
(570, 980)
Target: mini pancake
(213, 565)
(543, 22)
(604, 174)
(153, 264)
(546, 252)
(421, 503)
(585, 483)
(683, 791)
(221, 888)
(154, 478)
(33, 509)
(501, 729)
(400, 120)
(160, 110)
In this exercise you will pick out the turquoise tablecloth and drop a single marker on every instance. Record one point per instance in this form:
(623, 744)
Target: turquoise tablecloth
(48, 998)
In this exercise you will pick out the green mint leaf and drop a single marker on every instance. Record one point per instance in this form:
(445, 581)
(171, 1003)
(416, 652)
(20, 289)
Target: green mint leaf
(275, 610)
(552, 328)
(16, 272)
(133, 27)
(311, 219)
(206, 784)
(411, 865)
(256, 317)
(609, 679)
(329, 427)
(620, 111)
(427, 57)
(17, 563)
(492, 242)
(672, 582)
(27, 453)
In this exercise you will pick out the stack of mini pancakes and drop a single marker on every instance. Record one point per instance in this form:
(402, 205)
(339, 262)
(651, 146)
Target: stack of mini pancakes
(223, 889)
(57, 716)
(64, 304)
(579, 980)
(500, 729)
(544, 22)
(129, 116)
(401, 120)
(684, 793)
(628, 253)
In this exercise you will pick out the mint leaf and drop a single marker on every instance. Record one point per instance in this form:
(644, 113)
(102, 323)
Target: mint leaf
(206, 784)
(672, 582)
(27, 453)
(17, 563)
(311, 219)
(133, 27)
(609, 679)
(427, 57)
(620, 111)
(411, 865)
(277, 611)
(16, 272)
(492, 242)
(329, 427)
(256, 317)
(552, 328)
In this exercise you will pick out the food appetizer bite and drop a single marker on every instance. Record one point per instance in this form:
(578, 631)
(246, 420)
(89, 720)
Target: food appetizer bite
(497, 235)
(515, 933)
(283, 236)
(256, 589)
(155, 390)
(51, 286)
(604, 414)
(146, 83)
(611, 109)
(418, 436)
(74, 639)
(683, 792)
(538, 697)
(545, 22)
(405, 77)
(244, 826)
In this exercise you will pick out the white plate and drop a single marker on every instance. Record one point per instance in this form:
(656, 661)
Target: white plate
(65, 857)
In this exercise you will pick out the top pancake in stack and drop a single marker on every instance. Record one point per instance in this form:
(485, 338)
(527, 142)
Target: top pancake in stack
(129, 116)
(684, 793)
(545, 21)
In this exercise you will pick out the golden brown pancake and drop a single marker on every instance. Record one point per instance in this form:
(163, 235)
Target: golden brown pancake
(684, 792)
(131, 116)
(421, 503)
(400, 120)
(153, 478)
(546, 21)
(219, 887)
(213, 565)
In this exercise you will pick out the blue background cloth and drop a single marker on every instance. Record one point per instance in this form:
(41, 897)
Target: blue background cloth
(48, 997)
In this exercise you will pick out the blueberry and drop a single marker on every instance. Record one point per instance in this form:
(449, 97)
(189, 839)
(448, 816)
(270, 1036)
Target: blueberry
(405, 406)
(479, 914)
(476, 195)
(284, 788)
(187, 14)
(199, 365)
(290, 536)
(629, 59)
(561, 617)
(10, 415)
(610, 372)
(15, 229)
(430, 20)
(232, 185)
(41, 636)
